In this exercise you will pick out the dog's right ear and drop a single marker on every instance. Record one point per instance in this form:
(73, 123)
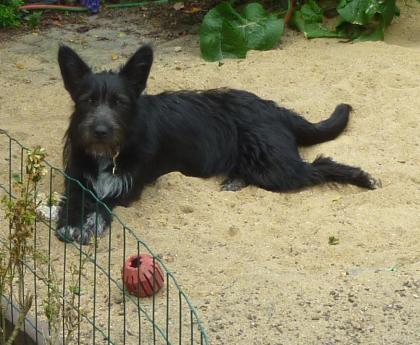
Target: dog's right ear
(73, 68)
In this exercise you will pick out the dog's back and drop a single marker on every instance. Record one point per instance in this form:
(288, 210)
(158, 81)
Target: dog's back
(233, 133)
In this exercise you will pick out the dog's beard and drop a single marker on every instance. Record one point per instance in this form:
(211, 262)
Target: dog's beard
(100, 149)
(105, 147)
(108, 147)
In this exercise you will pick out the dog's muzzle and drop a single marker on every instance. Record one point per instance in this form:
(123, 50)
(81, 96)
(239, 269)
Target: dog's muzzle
(101, 131)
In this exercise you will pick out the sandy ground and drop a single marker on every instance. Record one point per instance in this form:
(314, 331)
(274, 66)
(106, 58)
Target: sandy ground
(258, 265)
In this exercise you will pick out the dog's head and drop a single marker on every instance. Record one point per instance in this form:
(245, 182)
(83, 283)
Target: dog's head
(104, 102)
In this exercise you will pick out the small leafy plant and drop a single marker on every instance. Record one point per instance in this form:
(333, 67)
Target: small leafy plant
(333, 241)
(21, 215)
(34, 19)
(9, 13)
(21, 212)
(57, 307)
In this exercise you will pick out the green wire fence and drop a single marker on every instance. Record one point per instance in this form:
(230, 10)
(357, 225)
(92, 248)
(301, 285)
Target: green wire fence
(88, 279)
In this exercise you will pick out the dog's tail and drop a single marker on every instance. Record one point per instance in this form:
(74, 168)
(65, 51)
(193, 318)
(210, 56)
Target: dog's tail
(308, 133)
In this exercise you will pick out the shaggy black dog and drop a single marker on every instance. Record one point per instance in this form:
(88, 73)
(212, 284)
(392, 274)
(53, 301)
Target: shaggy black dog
(119, 140)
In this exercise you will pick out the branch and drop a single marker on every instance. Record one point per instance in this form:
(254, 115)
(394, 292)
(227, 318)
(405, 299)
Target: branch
(290, 11)
(20, 320)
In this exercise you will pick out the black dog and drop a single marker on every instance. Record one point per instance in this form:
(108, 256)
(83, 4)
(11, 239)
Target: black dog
(120, 140)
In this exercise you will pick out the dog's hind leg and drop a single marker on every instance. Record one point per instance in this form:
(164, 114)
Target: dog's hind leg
(294, 174)
(327, 170)
(307, 133)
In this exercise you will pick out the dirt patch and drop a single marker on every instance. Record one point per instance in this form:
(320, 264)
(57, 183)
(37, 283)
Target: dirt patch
(258, 265)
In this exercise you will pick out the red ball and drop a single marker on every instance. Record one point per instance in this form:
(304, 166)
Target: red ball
(137, 275)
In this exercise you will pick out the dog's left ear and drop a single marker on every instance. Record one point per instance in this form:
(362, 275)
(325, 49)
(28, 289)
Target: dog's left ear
(137, 68)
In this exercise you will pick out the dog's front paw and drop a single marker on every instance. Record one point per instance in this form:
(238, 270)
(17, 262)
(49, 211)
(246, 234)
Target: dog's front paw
(69, 234)
(94, 224)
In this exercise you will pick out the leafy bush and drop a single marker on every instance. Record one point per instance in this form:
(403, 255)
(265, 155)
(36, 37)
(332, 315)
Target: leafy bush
(226, 33)
(355, 19)
(9, 13)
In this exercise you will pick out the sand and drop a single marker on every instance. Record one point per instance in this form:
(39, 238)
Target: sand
(258, 265)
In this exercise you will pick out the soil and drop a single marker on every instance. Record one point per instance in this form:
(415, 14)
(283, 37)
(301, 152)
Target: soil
(258, 265)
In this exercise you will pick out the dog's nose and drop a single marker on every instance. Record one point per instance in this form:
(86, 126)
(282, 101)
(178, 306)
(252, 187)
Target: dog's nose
(100, 131)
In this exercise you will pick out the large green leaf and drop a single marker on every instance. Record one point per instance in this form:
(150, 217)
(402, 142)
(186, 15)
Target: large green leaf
(362, 12)
(225, 33)
(388, 9)
(357, 11)
(210, 36)
(233, 43)
(377, 34)
(311, 12)
(262, 30)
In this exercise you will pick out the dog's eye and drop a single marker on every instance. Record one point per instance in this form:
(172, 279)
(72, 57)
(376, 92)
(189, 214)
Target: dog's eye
(117, 101)
(89, 100)
(86, 98)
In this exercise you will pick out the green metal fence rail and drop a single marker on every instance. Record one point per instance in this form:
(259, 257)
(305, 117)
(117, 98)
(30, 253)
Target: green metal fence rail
(106, 312)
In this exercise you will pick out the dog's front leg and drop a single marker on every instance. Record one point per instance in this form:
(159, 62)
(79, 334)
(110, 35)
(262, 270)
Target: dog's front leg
(73, 210)
(96, 222)
(80, 217)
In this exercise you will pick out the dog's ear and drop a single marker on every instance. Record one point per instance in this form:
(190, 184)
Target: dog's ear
(137, 68)
(73, 68)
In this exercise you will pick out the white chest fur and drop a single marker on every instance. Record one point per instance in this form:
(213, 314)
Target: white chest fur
(109, 185)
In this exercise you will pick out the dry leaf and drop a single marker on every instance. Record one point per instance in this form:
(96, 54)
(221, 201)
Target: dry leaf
(114, 57)
(193, 10)
(178, 6)
(19, 66)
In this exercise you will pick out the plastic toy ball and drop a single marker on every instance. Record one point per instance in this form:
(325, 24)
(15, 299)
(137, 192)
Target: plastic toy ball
(138, 274)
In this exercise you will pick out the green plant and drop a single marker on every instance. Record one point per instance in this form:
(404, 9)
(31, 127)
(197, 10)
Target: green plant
(309, 20)
(366, 19)
(58, 307)
(9, 13)
(225, 33)
(34, 19)
(333, 241)
(21, 212)
(354, 19)
(21, 215)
